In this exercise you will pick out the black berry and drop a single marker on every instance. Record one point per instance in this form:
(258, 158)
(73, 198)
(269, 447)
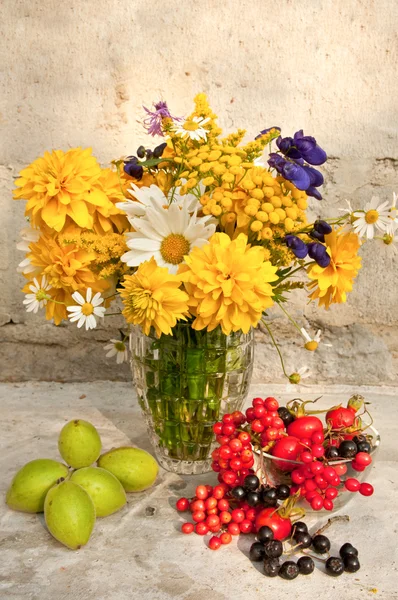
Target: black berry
(238, 492)
(269, 497)
(306, 565)
(364, 447)
(289, 570)
(299, 527)
(273, 549)
(253, 498)
(351, 563)
(271, 567)
(348, 449)
(331, 452)
(321, 544)
(265, 534)
(334, 566)
(251, 482)
(304, 539)
(348, 549)
(282, 491)
(285, 415)
(257, 552)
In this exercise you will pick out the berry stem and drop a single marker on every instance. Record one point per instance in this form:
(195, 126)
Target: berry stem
(330, 522)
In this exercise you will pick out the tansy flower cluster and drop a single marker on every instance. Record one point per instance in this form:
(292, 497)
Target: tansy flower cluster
(204, 229)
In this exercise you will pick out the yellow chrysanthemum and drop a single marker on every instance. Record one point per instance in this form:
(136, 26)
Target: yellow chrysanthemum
(152, 298)
(108, 218)
(61, 188)
(228, 282)
(67, 269)
(333, 282)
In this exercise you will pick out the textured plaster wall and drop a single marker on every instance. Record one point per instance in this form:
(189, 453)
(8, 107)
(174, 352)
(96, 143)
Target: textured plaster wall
(77, 73)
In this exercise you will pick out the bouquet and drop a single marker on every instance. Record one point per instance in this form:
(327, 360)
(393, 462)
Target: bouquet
(199, 237)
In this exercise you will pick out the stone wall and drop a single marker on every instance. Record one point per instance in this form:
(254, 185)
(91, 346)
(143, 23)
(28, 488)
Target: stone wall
(77, 73)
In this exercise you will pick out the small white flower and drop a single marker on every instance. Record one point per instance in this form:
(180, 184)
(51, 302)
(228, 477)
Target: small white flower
(39, 296)
(117, 348)
(390, 238)
(87, 309)
(392, 227)
(349, 208)
(375, 216)
(298, 375)
(28, 236)
(311, 343)
(192, 128)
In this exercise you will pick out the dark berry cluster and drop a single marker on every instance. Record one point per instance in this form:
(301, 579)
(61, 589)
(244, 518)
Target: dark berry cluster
(133, 165)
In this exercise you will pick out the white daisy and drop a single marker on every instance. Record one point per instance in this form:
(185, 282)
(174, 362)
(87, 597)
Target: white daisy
(374, 216)
(192, 128)
(87, 309)
(39, 296)
(117, 348)
(311, 343)
(298, 375)
(347, 210)
(153, 197)
(393, 216)
(390, 238)
(28, 236)
(165, 231)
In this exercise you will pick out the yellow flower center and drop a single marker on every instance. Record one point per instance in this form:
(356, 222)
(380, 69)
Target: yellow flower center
(41, 295)
(120, 346)
(388, 239)
(371, 216)
(174, 247)
(311, 346)
(87, 309)
(294, 378)
(191, 126)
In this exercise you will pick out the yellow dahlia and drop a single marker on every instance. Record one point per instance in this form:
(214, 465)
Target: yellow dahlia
(331, 284)
(108, 218)
(152, 298)
(60, 188)
(228, 283)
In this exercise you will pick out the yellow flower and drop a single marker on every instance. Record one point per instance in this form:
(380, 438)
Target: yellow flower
(332, 283)
(61, 188)
(108, 218)
(152, 298)
(67, 269)
(228, 283)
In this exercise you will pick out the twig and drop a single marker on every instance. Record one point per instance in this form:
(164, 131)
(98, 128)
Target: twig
(330, 522)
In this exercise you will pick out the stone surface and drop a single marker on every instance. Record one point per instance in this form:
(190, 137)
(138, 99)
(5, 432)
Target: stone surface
(84, 70)
(139, 552)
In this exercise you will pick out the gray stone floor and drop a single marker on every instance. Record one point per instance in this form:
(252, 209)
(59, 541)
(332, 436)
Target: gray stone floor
(139, 553)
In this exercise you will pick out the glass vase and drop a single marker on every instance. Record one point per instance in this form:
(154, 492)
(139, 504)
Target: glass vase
(185, 383)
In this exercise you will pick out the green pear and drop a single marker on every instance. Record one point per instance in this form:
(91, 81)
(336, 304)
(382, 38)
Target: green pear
(79, 444)
(30, 484)
(104, 489)
(69, 513)
(135, 469)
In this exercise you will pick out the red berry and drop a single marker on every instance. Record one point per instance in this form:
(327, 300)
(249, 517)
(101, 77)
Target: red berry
(215, 454)
(198, 516)
(225, 517)
(311, 495)
(316, 468)
(222, 439)
(214, 543)
(201, 492)
(310, 485)
(238, 417)
(328, 504)
(227, 418)
(321, 482)
(271, 404)
(225, 452)
(237, 515)
(197, 505)
(257, 402)
(329, 473)
(317, 450)
(363, 458)
(217, 428)
(317, 503)
(219, 491)
(233, 528)
(331, 493)
(357, 467)
(210, 503)
(215, 466)
(260, 411)
(297, 477)
(366, 489)
(187, 528)
(209, 489)
(246, 526)
(341, 469)
(182, 504)
(213, 521)
(244, 437)
(225, 538)
(201, 528)
(352, 485)
(229, 477)
(235, 445)
(257, 426)
(267, 420)
(278, 423)
(250, 414)
(251, 514)
(306, 457)
(228, 428)
(317, 437)
(235, 464)
(271, 434)
(246, 455)
(223, 504)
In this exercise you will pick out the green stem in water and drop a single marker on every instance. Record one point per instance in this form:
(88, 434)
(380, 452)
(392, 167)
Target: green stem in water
(276, 347)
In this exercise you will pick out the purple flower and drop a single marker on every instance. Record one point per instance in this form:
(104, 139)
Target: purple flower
(297, 175)
(322, 227)
(316, 177)
(296, 245)
(286, 146)
(133, 169)
(309, 149)
(276, 161)
(318, 253)
(265, 131)
(153, 122)
(311, 191)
